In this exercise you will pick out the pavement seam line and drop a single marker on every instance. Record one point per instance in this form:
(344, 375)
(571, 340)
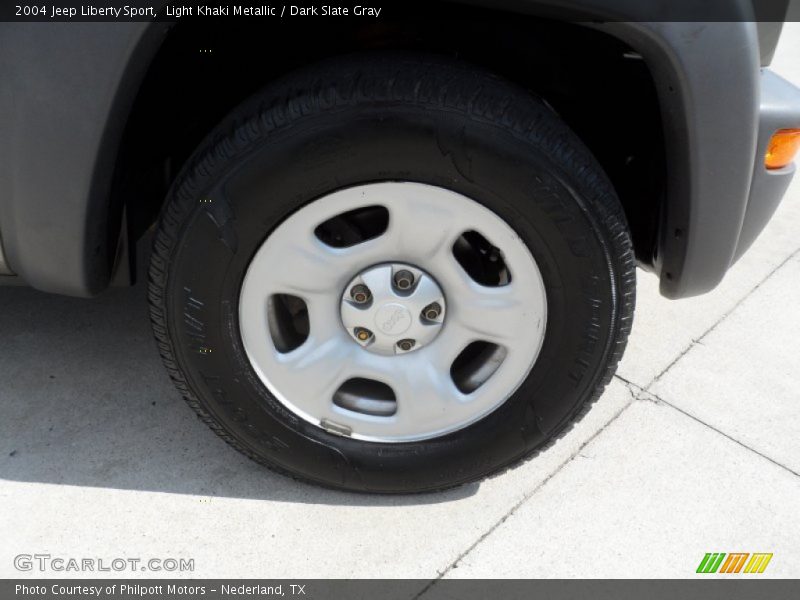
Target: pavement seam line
(527, 496)
(637, 393)
(694, 342)
(646, 396)
(725, 435)
(630, 384)
(739, 302)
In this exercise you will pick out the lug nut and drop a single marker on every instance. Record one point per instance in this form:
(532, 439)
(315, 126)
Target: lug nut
(406, 345)
(360, 294)
(362, 334)
(404, 279)
(432, 311)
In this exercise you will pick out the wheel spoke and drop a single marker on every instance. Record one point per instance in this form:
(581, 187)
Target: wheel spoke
(427, 396)
(317, 369)
(323, 318)
(421, 230)
(449, 345)
(491, 314)
(306, 267)
(424, 393)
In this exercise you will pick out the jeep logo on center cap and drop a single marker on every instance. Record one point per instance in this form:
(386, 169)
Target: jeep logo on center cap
(393, 319)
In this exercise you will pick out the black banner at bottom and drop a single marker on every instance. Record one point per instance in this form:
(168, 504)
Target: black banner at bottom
(411, 589)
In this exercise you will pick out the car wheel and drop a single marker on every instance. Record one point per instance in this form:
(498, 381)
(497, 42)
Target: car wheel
(391, 273)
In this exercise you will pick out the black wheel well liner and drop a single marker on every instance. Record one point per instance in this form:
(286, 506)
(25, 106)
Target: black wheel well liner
(598, 84)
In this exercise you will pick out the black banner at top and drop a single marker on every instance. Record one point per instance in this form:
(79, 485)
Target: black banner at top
(265, 11)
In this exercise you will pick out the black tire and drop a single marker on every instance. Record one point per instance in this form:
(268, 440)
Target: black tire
(382, 117)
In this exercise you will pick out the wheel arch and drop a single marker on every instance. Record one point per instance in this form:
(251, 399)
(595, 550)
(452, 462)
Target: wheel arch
(563, 83)
(686, 231)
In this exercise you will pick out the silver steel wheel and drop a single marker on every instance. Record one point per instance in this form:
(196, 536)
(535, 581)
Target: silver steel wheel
(307, 295)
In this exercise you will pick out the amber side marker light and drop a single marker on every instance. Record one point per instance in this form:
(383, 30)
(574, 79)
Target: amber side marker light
(783, 145)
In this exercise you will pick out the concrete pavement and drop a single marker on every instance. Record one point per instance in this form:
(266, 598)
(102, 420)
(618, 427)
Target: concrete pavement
(694, 448)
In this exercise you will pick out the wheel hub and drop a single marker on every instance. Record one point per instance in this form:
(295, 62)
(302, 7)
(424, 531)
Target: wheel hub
(393, 308)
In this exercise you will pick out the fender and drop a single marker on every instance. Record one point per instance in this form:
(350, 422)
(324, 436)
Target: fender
(64, 106)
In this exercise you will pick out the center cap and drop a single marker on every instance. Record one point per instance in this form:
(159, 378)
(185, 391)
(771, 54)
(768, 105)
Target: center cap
(393, 319)
(393, 309)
